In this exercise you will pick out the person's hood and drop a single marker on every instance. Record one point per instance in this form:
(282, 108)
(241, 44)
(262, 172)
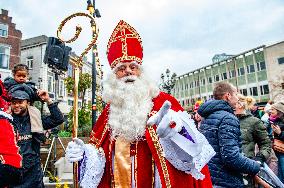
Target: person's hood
(212, 106)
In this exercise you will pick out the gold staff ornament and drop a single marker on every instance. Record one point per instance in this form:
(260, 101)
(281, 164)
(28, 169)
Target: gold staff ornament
(78, 31)
(78, 64)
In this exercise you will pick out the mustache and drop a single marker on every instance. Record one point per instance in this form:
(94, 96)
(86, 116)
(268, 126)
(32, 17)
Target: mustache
(130, 78)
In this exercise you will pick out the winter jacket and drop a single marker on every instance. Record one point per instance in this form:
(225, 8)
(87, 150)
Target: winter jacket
(254, 132)
(257, 113)
(222, 129)
(10, 85)
(29, 143)
(280, 123)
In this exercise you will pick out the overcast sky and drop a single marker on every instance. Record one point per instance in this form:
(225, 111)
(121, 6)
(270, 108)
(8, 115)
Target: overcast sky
(181, 35)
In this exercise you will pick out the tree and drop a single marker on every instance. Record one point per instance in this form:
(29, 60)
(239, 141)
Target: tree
(85, 82)
(84, 113)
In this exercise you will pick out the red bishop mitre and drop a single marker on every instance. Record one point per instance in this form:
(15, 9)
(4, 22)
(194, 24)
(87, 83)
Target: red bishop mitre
(124, 45)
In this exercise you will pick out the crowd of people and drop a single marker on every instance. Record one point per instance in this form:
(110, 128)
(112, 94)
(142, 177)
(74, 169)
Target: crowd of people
(243, 135)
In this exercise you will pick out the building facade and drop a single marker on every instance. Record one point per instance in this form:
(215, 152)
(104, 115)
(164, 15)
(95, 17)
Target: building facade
(250, 71)
(274, 55)
(32, 54)
(10, 41)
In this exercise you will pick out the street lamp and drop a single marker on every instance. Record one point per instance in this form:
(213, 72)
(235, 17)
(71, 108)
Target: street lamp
(95, 13)
(168, 83)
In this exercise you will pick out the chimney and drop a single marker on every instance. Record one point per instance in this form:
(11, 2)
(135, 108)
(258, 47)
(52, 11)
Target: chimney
(4, 12)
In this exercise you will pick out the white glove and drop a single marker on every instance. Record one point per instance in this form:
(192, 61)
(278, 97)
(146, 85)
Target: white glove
(75, 150)
(164, 118)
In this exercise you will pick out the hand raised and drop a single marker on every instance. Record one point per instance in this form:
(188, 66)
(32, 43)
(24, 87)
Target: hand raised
(156, 119)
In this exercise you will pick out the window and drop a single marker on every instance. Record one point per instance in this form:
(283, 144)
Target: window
(191, 85)
(50, 84)
(4, 57)
(70, 103)
(3, 30)
(216, 78)
(261, 66)
(224, 76)
(202, 82)
(210, 79)
(244, 92)
(30, 61)
(253, 91)
(196, 83)
(250, 69)
(241, 71)
(232, 73)
(61, 88)
(264, 90)
(281, 60)
(70, 70)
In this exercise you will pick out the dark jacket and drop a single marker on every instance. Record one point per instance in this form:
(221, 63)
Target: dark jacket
(10, 84)
(222, 129)
(254, 132)
(280, 123)
(29, 144)
(257, 113)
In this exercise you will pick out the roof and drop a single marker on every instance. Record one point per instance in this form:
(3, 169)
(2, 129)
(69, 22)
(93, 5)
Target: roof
(34, 41)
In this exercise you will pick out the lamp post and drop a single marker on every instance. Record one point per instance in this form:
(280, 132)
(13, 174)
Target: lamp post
(168, 82)
(96, 14)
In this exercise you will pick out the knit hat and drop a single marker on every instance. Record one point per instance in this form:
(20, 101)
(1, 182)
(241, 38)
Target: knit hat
(279, 106)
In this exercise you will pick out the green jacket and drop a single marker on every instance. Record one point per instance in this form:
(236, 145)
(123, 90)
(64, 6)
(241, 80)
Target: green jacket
(254, 132)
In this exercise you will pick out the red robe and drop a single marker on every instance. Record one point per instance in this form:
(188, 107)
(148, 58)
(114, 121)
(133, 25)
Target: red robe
(9, 151)
(147, 153)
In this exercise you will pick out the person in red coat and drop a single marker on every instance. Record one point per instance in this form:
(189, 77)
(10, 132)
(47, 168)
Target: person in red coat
(10, 159)
(143, 137)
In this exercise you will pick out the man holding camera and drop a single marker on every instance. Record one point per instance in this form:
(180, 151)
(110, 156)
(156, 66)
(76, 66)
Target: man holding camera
(30, 133)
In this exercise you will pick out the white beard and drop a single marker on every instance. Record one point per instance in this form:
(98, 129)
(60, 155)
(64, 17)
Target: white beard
(130, 105)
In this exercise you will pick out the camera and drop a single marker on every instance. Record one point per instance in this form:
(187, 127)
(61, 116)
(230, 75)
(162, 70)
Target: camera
(57, 54)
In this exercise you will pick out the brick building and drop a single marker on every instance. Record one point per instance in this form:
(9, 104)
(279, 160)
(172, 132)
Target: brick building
(10, 41)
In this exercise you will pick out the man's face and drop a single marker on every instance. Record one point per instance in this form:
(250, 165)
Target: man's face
(21, 76)
(19, 107)
(127, 69)
(232, 98)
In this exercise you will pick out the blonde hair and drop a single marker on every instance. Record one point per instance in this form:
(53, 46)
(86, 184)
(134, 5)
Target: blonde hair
(246, 101)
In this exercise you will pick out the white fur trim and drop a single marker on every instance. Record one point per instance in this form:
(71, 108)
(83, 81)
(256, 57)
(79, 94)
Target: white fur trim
(184, 154)
(92, 166)
(8, 116)
(119, 64)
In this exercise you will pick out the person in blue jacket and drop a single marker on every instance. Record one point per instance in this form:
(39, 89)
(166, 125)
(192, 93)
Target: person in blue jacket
(222, 129)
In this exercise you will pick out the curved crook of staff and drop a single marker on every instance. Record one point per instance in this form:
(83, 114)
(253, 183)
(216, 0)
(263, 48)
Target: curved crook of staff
(78, 64)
